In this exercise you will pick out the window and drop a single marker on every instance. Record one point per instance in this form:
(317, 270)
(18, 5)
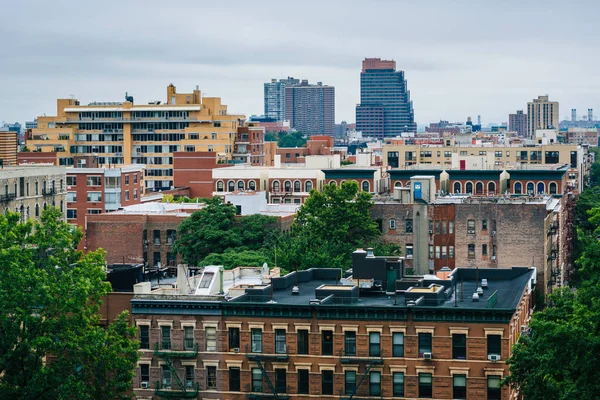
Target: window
(166, 375)
(425, 386)
(484, 250)
(189, 377)
(479, 188)
(398, 384)
(327, 343)
(469, 188)
(494, 392)
(234, 339)
(430, 251)
(327, 382)
(188, 337)
(94, 196)
(471, 251)
(375, 383)
(392, 224)
(256, 334)
(552, 188)
(518, 188)
(459, 346)
(471, 227)
(156, 237)
(409, 250)
(94, 181)
(303, 341)
(484, 225)
(451, 227)
(127, 195)
(424, 343)
(234, 380)
(127, 179)
(135, 194)
(459, 387)
(303, 381)
(134, 178)
(220, 186)
(276, 186)
(71, 213)
(374, 344)
(71, 196)
(457, 187)
(494, 345)
(437, 227)
(280, 380)
(349, 382)
(37, 188)
(398, 344)
(444, 227)
(240, 186)
(287, 186)
(144, 337)
(280, 346)
(257, 381)
(530, 188)
(366, 186)
(437, 252)
(71, 181)
(165, 343)
(252, 185)
(156, 257)
(231, 186)
(350, 343)
(37, 212)
(409, 226)
(444, 252)
(491, 188)
(308, 186)
(171, 236)
(144, 373)
(297, 186)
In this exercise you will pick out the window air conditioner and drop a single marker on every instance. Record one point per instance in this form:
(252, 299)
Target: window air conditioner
(494, 357)
(427, 356)
(493, 258)
(236, 349)
(144, 385)
(431, 232)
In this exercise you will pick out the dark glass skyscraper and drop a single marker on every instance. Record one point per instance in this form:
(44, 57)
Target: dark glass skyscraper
(385, 108)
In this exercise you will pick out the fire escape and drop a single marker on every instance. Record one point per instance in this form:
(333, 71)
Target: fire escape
(367, 363)
(261, 361)
(553, 260)
(185, 390)
(568, 238)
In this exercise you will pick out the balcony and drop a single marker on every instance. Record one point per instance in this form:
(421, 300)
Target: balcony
(49, 192)
(181, 393)
(5, 198)
(191, 353)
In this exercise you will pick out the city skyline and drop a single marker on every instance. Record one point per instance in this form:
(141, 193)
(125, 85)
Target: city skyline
(453, 70)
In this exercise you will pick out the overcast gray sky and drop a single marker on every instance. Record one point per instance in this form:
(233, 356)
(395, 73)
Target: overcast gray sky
(461, 58)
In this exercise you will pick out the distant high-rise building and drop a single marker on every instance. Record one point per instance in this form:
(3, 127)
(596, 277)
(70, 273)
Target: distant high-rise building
(275, 97)
(31, 124)
(310, 108)
(590, 114)
(573, 114)
(385, 108)
(518, 123)
(541, 114)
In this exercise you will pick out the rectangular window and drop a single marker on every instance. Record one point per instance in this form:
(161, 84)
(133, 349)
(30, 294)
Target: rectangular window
(165, 337)
(494, 392)
(444, 252)
(257, 381)
(398, 384)
(494, 345)
(459, 346)
(459, 387)
(166, 377)
(409, 250)
(471, 227)
(211, 338)
(234, 339)
(156, 237)
(398, 344)
(484, 224)
(451, 227)
(392, 224)
(494, 250)
(303, 385)
(349, 382)
(94, 181)
(327, 382)
(437, 227)
(94, 196)
(484, 250)
(71, 181)
(471, 251)
(135, 194)
(71, 196)
(409, 226)
(127, 195)
(134, 178)
(256, 337)
(350, 343)
(189, 377)
(437, 252)
(280, 380)
(327, 343)
(144, 337)
(444, 227)
(280, 344)
(234, 380)
(424, 343)
(303, 341)
(430, 251)
(127, 179)
(375, 383)
(425, 386)
(451, 251)
(144, 374)
(188, 337)
(374, 344)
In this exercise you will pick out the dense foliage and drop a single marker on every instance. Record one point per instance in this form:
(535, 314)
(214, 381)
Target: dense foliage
(285, 139)
(51, 343)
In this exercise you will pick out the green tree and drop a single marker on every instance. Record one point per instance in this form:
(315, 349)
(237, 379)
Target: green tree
(233, 258)
(291, 139)
(51, 344)
(270, 137)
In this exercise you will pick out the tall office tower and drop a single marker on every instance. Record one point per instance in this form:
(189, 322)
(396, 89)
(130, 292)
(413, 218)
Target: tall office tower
(310, 108)
(8, 146)
(518, 123)
(573, 114)
(275, 97)
(590, 114)
(385, 109)
(541, 114)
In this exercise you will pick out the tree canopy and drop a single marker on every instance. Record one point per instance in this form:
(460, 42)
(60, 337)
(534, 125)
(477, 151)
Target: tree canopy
(51, 343)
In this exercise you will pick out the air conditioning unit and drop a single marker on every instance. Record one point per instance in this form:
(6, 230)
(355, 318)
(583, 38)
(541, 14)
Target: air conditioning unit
(494, 357)
(470, 232)
(427, 356)
(493, 258)
(145, 242)
(431, 232)
(144, 385)
(236, 349)
(493, 233)
(524, 329)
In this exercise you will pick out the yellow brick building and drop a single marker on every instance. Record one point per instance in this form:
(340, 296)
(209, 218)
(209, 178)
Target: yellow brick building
(129, 133)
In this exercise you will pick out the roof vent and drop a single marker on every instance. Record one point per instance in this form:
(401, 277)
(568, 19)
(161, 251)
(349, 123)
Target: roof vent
(475, 297)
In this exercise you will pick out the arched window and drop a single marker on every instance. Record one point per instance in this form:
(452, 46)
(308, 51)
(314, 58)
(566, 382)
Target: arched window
(6, 189)
(398, 184)
(479, 188)
(276, 186)
(22, 212)
(220, 186)
(307, 186)
(457, 188)
(252, 185)
(491, 188)
(287, 186)
(530, 188)
(469, 188)
(333, 183)
(37, 188)
(45, 205)
(552, 188)
(241, 186)
(27, 188)
(297, 186)
(61, 206)
(231, 186)
(518, 188)
(366, 186)
(541, 188)
(37, 210)
(27, 215)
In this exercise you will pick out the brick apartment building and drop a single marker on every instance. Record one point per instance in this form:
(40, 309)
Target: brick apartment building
(395, 337)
